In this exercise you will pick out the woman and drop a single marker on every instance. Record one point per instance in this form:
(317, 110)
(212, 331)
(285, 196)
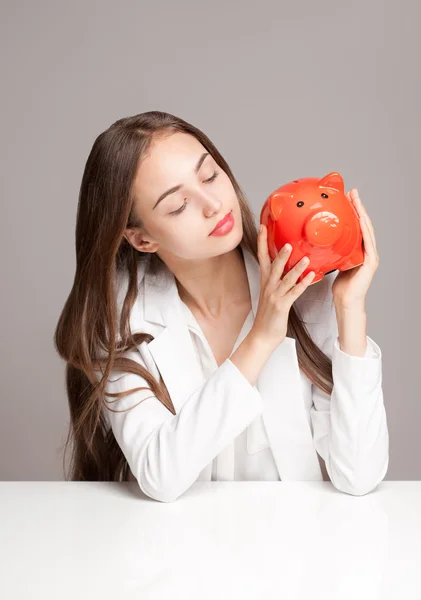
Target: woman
(217, 364)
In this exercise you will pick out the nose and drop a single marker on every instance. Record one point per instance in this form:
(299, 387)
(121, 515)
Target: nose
(211, 205)
(323, 229)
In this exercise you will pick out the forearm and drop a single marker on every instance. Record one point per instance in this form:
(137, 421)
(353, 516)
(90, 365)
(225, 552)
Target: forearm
(352, 329)
(251, 356)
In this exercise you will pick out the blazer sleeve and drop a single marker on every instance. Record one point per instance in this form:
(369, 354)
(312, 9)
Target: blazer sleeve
(166, 452)
(350, 428)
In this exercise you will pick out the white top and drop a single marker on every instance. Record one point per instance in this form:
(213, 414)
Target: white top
(259, 466)
(167, 451)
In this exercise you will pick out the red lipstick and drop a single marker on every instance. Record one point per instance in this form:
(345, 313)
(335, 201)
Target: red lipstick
(224, 225)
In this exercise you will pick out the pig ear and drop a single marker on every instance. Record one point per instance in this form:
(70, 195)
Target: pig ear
(277, 202)
(333, 180)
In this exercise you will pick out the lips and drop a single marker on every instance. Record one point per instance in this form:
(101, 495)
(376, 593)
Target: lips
(221, 222)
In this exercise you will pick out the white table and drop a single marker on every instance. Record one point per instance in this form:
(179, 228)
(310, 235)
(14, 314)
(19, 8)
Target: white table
(237, 540)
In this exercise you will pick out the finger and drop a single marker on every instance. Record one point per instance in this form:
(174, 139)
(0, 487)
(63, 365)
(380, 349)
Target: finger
(299, 288)
(278, 266)
(359, 206)
(357, 202)
(362, 212)
(369, 246)
(371, 230)
(291, 277)
(263, 253)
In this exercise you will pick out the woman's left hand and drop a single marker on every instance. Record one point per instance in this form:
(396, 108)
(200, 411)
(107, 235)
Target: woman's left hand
(350, 287)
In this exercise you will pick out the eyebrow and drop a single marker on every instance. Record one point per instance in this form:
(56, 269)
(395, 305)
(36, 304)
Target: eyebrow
(177, 187)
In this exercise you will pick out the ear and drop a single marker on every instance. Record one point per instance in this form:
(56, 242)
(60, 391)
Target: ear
(140, 240)
(277, 202)
(333, 180)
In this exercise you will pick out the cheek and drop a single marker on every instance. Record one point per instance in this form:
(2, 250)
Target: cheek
(227, 186)
(181, 234)
(231, 197)
(186, 240)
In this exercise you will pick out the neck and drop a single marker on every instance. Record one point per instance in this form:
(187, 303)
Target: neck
(214, 285)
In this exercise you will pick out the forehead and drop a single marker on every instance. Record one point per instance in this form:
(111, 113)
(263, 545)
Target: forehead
(168, 162)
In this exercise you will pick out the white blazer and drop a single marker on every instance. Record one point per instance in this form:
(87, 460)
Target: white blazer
(167, 453)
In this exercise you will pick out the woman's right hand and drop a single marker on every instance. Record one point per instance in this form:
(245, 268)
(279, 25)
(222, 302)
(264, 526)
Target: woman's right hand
(277, 293)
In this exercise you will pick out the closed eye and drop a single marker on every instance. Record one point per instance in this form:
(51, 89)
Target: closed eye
(214, 176)
(209, 180)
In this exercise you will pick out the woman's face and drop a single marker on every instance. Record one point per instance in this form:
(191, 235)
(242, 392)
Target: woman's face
(180, 223)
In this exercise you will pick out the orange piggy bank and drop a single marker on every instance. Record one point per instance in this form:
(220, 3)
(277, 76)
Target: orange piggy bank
(318, 220)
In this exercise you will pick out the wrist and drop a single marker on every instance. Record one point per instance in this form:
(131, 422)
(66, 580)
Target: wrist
(351, 308)
(261, 343)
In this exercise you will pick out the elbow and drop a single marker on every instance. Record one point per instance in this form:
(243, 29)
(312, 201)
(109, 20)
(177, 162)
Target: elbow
(363, 476)
(361, 484)
(160, 493)
(155, 484)
(156, 473)
(357, 489)
(161, 496)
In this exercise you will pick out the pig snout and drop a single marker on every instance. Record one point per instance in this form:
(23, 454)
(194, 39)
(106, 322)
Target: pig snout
(323, 229)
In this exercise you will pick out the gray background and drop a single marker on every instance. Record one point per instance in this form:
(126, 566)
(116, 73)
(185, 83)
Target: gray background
(284, 89)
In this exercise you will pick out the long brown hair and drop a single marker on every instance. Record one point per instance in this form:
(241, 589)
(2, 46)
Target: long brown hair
(89, 335)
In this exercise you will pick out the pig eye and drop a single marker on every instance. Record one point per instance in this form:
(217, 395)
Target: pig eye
(325, 196)
(300, 203)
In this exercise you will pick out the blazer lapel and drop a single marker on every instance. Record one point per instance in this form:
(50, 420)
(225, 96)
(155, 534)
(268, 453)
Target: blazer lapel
(171, 348)
(279, 384)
